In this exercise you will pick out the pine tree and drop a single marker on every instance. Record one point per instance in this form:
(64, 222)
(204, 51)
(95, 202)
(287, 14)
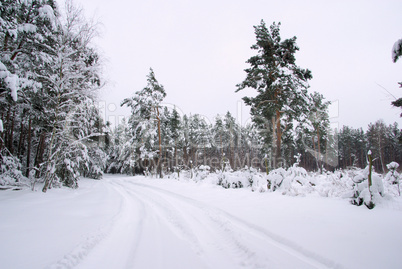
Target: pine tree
(376, 135)
(145, 119)
(281, 85)
(316, 128)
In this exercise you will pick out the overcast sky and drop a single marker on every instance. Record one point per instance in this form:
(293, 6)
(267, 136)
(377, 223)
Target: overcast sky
(198, 51)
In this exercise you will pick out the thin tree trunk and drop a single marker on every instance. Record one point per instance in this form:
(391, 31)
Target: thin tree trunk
(6, 127)
(160, 143)
(19, 151)
(11, 138)
(29, 148)
(319, 150)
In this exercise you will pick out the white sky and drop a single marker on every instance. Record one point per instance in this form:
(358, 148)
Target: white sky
(198, 51)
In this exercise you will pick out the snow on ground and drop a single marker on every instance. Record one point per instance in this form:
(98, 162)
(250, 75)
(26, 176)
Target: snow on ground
(138, 222)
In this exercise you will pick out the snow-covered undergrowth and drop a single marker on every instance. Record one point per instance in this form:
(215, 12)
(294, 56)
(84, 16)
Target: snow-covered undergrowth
(349, 184)
(10, 173)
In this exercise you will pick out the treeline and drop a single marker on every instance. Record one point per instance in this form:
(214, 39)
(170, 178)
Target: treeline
(49, 76)
(189, 142)
(383, 141)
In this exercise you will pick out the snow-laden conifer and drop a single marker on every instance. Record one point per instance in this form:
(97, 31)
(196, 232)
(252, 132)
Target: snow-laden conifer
(145, 123)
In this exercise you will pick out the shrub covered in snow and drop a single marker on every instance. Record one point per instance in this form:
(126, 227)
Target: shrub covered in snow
(293, 181)
(392, 178)
(362, 194)
(201, 172)
(10, 171)
(351, 184)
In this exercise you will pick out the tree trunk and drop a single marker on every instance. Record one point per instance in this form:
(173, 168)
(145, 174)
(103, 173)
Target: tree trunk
(274, 145)
(160, 144)
(29, 148)
(6, 127)
(319, 149)
(370, 204)
(11, 138)
(278, 137)
(19, 151)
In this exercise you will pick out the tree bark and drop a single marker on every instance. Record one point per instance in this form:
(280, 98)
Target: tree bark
(19, 151)
(278, 137)
(160, 143)
(29, 148)
(11, 137)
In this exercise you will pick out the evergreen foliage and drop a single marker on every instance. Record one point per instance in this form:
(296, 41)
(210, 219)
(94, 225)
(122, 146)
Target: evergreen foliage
(49, 76)
(281, 86)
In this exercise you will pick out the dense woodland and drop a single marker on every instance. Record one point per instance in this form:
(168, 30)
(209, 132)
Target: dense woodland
(51, 130)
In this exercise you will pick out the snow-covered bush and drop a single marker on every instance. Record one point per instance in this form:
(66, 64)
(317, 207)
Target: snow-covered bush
(256, 180)
(275, 178)
(10, 171)
(228, 178)
(334, 184)
(96, 163)
(293, 181)
(392, 178)
(201, 172)
(361, 192)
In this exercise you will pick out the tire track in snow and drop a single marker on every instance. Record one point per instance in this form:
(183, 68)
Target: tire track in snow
(84, 248)
(182, 224)
(138, 228)
(236, 229)
(105, 233)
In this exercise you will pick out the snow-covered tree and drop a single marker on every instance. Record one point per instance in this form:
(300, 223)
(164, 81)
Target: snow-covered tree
(315, 128)
(281, 85)
(393, 177)
(49, 71)
(25, 28)
(71, 76)
(368, 186)
(145, 120)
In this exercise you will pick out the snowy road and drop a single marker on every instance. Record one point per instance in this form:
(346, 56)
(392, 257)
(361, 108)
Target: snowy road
(134, 222)
(157, 228)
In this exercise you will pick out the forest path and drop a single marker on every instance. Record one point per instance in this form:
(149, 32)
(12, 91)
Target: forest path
(159, 228)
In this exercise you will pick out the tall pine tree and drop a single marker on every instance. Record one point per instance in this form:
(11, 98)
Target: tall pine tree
(281, 85)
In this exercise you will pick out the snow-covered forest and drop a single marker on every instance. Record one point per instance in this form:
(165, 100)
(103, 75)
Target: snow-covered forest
(161, 166)
(52, 132)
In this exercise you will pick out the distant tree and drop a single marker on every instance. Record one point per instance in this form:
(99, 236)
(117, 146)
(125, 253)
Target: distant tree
(316, 127)
(376, 135)
(177, 135)
(281, 85)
